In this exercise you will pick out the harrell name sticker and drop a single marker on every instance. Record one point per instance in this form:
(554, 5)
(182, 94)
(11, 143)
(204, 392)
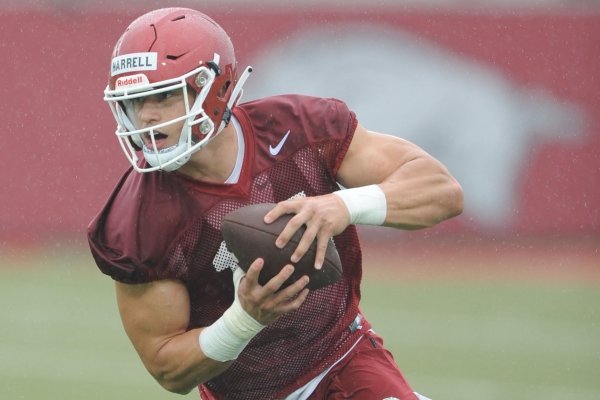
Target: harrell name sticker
(133, 62)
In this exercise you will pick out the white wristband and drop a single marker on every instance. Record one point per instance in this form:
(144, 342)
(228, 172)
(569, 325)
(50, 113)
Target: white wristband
(228, 336)
(367, 204)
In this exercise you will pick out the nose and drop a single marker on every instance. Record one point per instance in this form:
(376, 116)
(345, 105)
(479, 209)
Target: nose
(148, 113)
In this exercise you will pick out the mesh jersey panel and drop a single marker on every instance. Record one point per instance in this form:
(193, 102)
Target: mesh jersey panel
(131, 246)
(307, 340)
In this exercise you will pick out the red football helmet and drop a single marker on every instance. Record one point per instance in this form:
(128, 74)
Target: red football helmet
(168, 50)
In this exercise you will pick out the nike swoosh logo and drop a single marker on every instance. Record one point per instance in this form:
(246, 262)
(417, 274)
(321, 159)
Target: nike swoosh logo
(275, 150)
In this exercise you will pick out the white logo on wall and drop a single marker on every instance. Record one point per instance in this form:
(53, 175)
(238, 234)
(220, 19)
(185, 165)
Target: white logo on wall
(471, 117)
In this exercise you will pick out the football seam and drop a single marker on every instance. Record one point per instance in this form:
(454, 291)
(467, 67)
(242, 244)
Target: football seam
(310, 250)
(255, 228)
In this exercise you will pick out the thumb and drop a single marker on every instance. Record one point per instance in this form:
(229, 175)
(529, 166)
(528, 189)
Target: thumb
(238, 274)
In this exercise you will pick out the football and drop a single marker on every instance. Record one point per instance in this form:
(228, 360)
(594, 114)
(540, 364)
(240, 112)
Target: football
(248, 237)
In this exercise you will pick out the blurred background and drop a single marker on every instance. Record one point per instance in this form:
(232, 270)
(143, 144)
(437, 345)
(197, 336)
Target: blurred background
(502, 302)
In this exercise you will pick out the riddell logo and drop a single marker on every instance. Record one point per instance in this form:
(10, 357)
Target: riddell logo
(130, 81)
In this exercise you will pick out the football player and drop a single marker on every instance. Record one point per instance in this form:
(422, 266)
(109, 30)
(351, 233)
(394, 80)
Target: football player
(196, 154)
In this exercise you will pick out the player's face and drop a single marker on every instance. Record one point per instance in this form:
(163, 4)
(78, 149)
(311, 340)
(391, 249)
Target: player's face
(156, 109)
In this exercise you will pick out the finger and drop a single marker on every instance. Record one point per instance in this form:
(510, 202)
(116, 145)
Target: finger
(289, 230)
(297, 302)
(294, 303)
(286, 300)
(292, 291)
(275, 282)
(305, 242)
(280, 209)
(254, 271)
(322, 243)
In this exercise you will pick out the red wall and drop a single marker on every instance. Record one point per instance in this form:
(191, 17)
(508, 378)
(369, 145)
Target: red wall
(60, 158)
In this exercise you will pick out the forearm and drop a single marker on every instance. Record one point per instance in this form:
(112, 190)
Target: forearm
(156, 317)
(419, 194)
(217, 345)
(417, 190)
(180, 365)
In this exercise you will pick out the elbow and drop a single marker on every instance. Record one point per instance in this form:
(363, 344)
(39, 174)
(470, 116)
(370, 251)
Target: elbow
(174, 385)
(182, 381)
(177, 389)
(171, 380)
(456, 199)
(450, 204)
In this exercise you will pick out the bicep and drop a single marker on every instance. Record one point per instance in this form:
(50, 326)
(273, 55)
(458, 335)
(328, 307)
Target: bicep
(372, 157)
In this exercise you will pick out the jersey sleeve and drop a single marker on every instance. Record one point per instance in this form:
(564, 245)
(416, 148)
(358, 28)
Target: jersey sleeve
(344, 134)
(328, 125)
(324, 124)
(129, 237)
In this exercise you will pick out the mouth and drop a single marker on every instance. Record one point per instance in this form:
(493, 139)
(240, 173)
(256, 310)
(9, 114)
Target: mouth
(159, 138)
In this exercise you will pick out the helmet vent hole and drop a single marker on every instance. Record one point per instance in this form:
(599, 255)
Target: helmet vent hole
(178, 18)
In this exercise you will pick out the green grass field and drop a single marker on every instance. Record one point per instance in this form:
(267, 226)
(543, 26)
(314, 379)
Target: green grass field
(61, 337)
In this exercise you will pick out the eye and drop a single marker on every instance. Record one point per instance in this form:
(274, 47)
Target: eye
(164, 98)
(132, 105)
(164, 95)
(167, 95)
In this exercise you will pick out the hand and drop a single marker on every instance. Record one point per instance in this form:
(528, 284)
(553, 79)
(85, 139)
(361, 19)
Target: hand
(324, 216)
(265, 303)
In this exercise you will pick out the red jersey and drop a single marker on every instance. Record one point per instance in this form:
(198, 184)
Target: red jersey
(163, 225)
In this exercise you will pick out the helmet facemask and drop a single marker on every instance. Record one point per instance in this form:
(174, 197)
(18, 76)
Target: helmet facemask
(197, 131)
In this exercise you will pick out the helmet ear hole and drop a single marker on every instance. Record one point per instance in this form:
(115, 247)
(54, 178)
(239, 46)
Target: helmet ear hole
(224, 89)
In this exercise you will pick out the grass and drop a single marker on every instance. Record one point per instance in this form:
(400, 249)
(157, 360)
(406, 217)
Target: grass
(492, 341)
(61, 337)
